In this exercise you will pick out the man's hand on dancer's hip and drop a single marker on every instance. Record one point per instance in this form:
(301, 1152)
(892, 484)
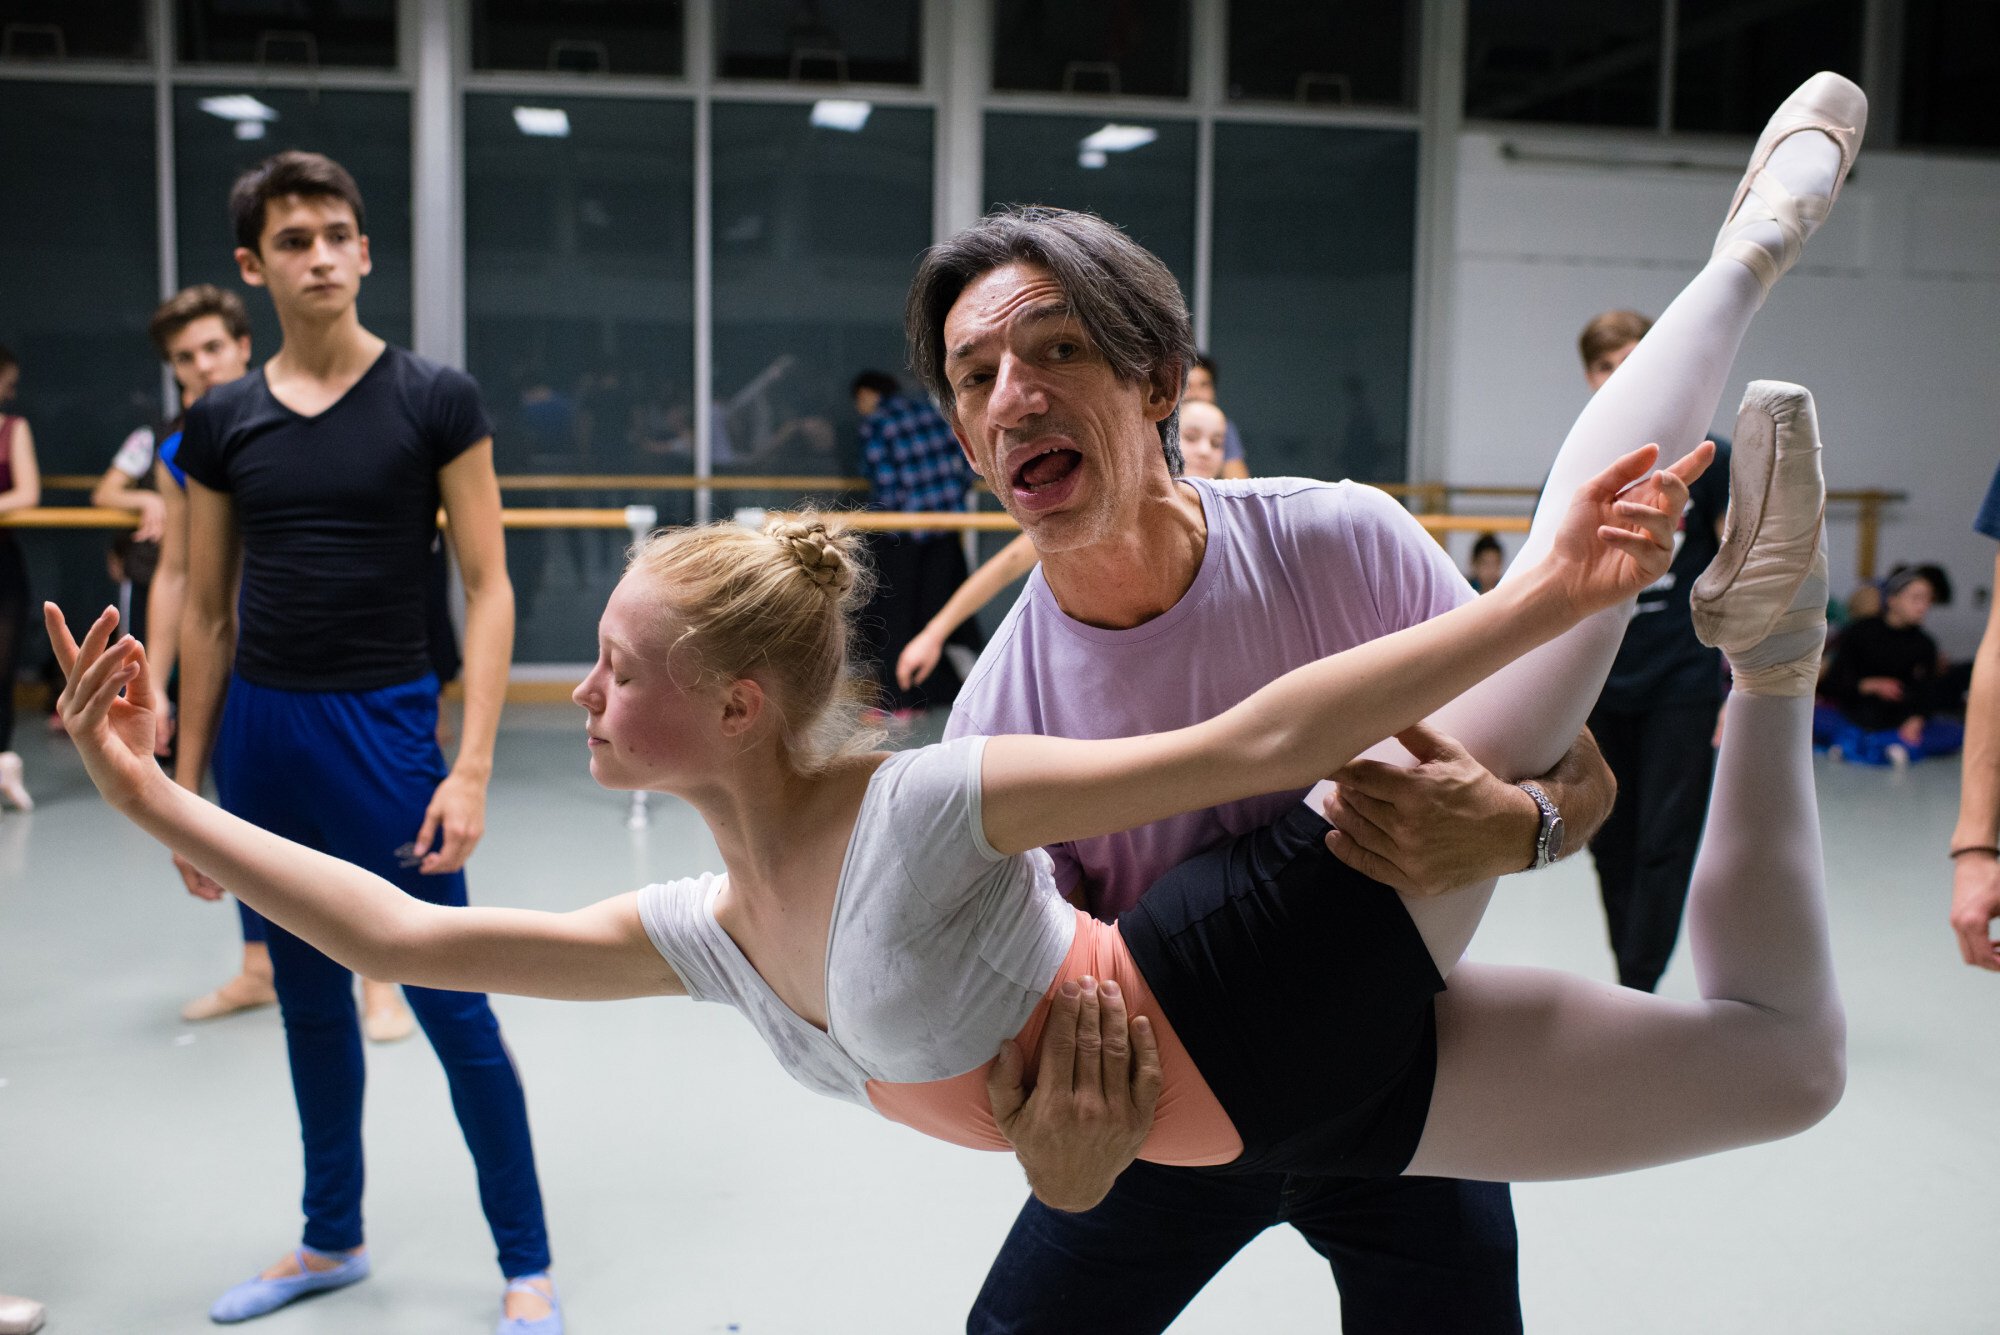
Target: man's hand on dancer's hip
(1090, 1107)
(1444, 823)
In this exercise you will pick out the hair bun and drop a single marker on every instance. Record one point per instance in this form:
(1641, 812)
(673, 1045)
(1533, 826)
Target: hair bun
(813, 546)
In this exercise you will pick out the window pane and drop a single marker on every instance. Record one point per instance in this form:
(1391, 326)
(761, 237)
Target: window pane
(367, 133)
(1314, 271)
(590, 36)
(288, 32)
(1361, 53)
(81, 280)
(1092, 46)
(817, 231)
(73, 30)
(579, 253)
(1578, 62)
(1734, 63)
(866, 41)
(1147, 188)
(75, 299)
(1951, 63)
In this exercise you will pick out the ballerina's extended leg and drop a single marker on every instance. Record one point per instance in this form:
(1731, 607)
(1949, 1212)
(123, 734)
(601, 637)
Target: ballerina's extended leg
(1520, 721)
(1547, 1075)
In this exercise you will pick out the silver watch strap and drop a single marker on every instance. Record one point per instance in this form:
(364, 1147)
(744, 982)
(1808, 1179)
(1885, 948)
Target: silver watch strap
(1549, 816)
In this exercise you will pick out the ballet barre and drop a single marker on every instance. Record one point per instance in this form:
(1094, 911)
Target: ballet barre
(1428, 502)
(801, 482)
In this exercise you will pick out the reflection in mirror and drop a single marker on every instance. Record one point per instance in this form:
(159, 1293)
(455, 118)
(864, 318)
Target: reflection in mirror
(580, 327)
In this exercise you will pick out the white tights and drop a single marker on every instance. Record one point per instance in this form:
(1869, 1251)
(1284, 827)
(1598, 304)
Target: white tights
(1548, 1075)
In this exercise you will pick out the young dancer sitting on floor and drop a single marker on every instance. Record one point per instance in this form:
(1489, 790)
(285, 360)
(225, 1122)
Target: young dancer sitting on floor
(887, 923)
(1885, 690)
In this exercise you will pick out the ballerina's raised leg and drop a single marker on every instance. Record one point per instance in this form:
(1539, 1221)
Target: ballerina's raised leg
(1545, 1075)
(1520, 721)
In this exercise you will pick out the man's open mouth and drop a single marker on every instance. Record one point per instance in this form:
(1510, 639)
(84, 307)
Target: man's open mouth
(1046, 470)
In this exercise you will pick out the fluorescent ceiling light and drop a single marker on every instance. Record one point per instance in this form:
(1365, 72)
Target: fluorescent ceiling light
(542, 122)
(834, 113)
(1120, 138)
(1091, 157)
(249, 129)
(238, 107)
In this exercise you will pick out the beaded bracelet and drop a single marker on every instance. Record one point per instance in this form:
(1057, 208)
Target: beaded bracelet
(1975, 848)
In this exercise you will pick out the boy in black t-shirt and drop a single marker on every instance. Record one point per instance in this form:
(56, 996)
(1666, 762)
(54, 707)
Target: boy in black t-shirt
(323, 471)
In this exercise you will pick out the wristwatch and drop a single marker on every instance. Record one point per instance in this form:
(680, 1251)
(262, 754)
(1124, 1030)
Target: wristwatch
(1548, 839)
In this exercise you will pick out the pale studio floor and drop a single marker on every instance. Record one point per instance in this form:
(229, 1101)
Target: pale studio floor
(146, 1164)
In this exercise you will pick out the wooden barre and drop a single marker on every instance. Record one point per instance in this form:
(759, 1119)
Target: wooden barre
(69, 516)
(98, 517)
(1867, 536)
(868, 521)
(1427, 489)
(890, 521)
(593, 482)
(673, 482)
(682, 482)
(878, 521)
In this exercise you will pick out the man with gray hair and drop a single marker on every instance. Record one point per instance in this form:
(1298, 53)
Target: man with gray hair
(1059, 349)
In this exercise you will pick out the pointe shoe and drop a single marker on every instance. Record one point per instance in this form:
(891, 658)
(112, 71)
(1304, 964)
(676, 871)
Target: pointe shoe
(21, 1316)
(1768, 578)
(256, 1296)
(1827, 103)
(551, 1324)
(11, 787)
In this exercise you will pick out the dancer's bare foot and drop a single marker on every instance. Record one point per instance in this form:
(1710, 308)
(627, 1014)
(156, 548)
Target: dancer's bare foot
(384, 1017)
(317, 1262)
(529, 1299)
(244, 992)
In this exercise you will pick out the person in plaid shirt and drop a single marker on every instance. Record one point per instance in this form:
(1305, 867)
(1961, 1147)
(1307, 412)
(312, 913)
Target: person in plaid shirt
(913, 464)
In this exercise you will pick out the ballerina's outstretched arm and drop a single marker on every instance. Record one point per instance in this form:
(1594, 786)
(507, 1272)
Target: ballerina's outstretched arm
(110, 707)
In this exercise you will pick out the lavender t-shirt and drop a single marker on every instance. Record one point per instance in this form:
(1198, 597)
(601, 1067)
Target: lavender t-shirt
(1294, 570)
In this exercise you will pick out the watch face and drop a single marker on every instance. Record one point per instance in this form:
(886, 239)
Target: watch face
(1555, 838)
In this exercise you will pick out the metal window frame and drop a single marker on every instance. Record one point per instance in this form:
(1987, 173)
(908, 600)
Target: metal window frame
(434, 68)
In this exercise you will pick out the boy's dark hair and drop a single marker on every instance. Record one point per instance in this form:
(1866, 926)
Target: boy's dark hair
(193, 303)
(880, 381)
(1900, 577)
(1207, 363)
(1609, 332)
(7, 358)
(289, 173)
(1486, 542)
(1119, 291)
